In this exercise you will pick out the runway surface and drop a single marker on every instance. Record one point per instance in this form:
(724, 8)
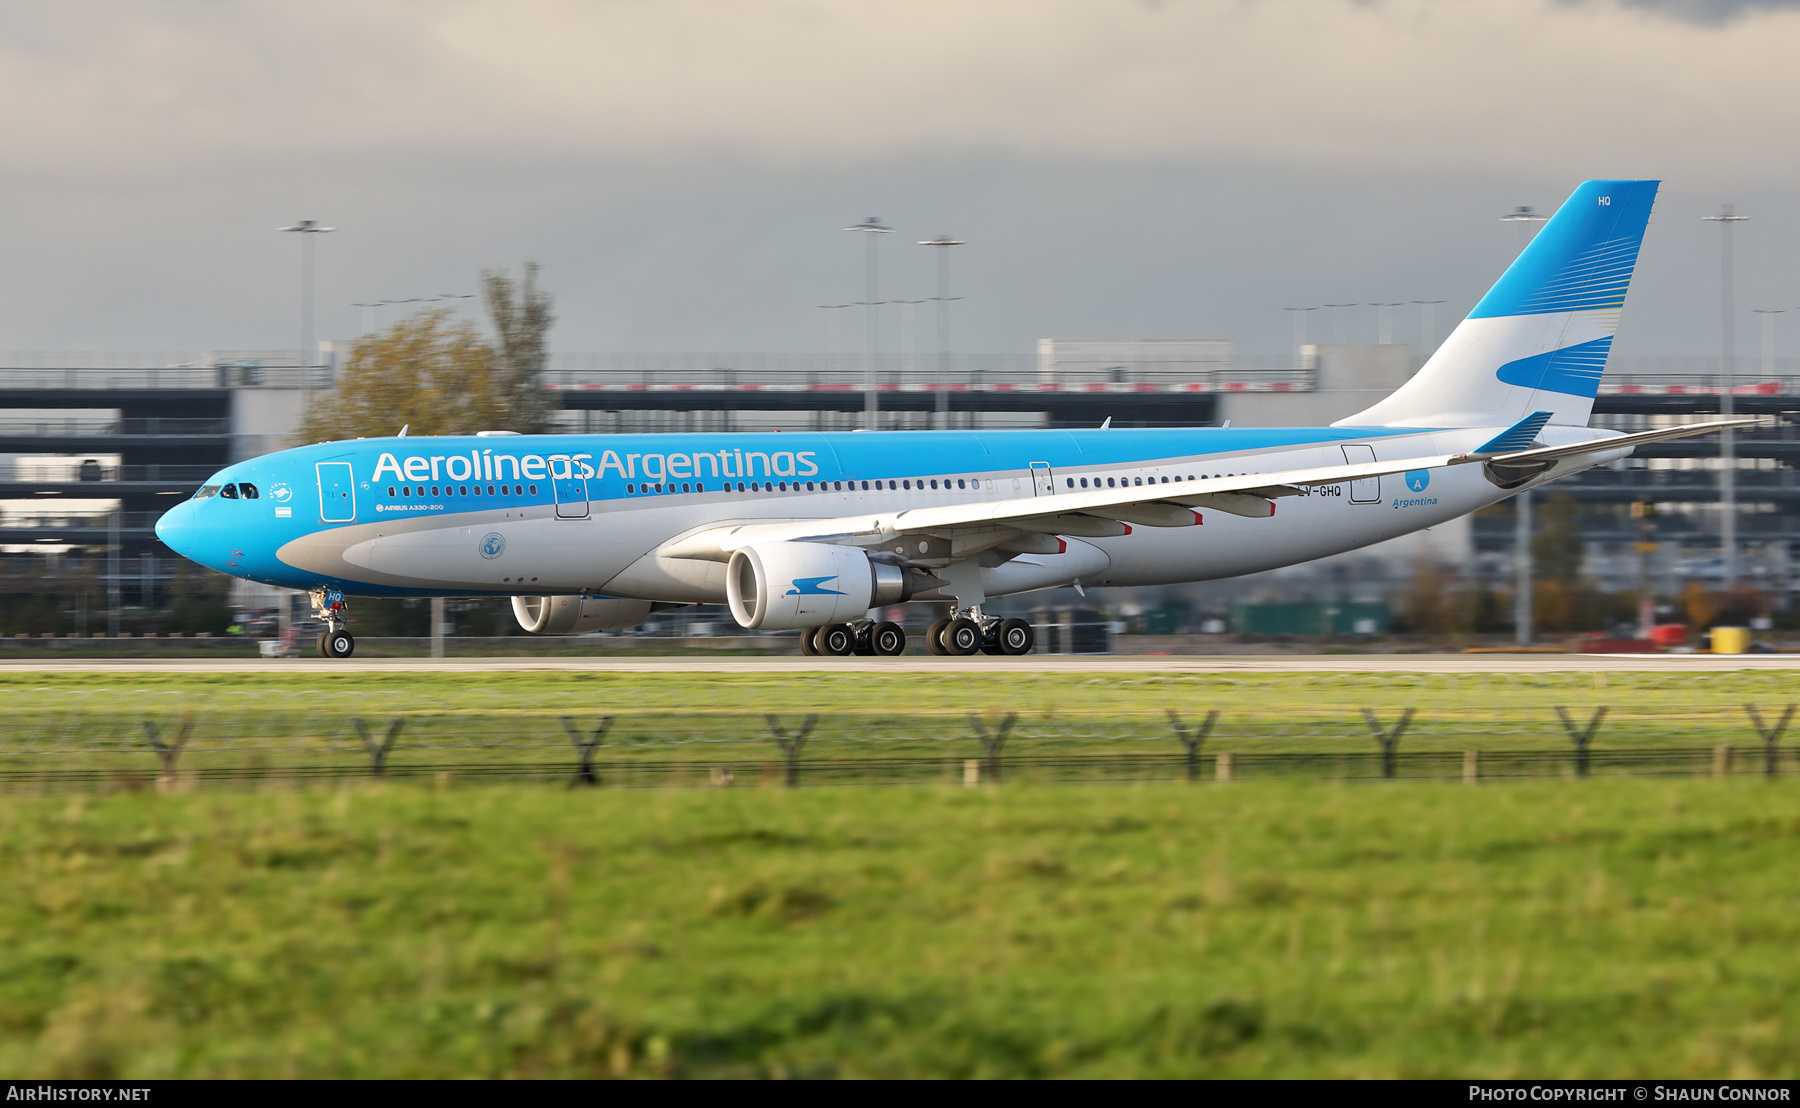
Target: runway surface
(1116, 664)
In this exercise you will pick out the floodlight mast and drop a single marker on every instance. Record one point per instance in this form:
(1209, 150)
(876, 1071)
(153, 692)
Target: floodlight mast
(873, 227)
(1524, 221)
(943, 298)
(306, 229)
(1728, 552)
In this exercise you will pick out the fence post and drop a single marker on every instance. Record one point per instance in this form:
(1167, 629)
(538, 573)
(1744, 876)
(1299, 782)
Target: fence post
(1191, 740)
(1389, 739)
(1222, 766)
(1721, 760)
(1471, 766)
(790, 744)
(378, 752)
(1771, 737)
(991, 742)
(1581, 736)
(586, 746)
(168, 751)
(971, 772)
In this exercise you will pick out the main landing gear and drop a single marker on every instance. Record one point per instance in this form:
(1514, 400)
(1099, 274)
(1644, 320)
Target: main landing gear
(966, 633)
(969, 632)
(329, 608)
(867, 637)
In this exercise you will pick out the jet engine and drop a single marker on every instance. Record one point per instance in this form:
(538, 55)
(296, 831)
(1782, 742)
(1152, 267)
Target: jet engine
(572, 615)
(778, 586)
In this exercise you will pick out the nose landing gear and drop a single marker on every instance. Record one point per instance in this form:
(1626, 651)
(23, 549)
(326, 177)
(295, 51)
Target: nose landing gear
(329, 608)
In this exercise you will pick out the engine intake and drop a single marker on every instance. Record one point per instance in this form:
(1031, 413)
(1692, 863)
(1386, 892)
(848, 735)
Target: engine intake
(778, 586)
(572, 615)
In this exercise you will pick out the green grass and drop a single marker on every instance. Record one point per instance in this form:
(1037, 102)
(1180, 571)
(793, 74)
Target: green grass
(1625, 927)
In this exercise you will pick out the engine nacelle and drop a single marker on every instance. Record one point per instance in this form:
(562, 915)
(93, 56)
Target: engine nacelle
(778, 586)
(572, 615)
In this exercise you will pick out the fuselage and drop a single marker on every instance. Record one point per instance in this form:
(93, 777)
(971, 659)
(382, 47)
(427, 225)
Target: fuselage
(562, 514)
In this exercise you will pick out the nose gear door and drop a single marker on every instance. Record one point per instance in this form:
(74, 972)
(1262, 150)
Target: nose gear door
(337, 492)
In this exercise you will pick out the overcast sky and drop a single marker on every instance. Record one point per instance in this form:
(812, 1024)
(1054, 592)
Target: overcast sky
(684, 168)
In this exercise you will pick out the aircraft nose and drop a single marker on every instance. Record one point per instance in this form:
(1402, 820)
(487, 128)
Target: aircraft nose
(173, 528)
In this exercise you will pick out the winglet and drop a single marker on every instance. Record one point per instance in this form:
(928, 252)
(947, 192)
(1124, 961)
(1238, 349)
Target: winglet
(1517, 437)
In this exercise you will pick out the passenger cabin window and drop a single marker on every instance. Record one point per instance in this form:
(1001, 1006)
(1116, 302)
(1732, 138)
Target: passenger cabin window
(206, 491)
(247, 490)
(229, 492)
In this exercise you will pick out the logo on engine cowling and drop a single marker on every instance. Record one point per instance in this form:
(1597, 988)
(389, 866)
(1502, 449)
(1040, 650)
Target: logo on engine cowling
(493, 544)
(813, 586)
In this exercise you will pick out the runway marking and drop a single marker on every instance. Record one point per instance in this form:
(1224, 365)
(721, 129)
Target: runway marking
(1116, 663)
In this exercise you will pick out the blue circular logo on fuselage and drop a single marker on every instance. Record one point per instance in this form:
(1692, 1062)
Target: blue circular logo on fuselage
(493, 544)
(1417, 479)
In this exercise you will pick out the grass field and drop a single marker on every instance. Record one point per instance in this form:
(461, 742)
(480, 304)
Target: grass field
(1614, 927)
(917, 727)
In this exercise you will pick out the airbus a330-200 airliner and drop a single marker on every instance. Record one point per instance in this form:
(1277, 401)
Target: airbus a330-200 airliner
(814, 532)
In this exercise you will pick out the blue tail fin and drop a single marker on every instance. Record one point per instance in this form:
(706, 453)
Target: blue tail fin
(1539, 339)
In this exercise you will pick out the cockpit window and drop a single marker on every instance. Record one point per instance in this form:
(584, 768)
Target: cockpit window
(229, 492)
(206, 491)
(247, 490)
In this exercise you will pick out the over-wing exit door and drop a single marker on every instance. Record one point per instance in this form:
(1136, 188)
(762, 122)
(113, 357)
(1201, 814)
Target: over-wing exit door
(1043, 483)
(1363, 490)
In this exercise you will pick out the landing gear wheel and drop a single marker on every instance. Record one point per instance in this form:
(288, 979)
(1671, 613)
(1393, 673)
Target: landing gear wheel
(1016, 637)
(324, 645)
(963, 637)
(865, 646)
(888, 640)
(990, 637)
(837, 638)
(934, 637)
(338, 644)
(809, 647)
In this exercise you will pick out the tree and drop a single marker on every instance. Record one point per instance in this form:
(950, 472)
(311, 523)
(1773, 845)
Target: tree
(520, 312)
(426, 372)
(1557, 548)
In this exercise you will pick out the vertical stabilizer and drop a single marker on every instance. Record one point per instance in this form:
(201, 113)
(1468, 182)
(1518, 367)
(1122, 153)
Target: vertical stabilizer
(1538, 340)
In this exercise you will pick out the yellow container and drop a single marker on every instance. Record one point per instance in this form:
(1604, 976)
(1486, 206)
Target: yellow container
(1731, 640)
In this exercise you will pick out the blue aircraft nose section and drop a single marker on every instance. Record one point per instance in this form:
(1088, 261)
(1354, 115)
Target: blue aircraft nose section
(175, 529)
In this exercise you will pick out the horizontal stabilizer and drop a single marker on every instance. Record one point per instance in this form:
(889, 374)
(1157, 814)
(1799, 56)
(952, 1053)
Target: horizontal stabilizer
(1517, 437)
(1597, 446)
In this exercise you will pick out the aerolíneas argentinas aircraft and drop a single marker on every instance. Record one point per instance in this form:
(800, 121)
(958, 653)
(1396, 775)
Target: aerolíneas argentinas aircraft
(812, 531)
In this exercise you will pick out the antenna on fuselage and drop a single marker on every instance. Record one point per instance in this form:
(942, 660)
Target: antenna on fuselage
(403, 428)
(1105, 423)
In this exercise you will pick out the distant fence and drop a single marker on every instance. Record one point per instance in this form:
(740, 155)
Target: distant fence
(88, 739)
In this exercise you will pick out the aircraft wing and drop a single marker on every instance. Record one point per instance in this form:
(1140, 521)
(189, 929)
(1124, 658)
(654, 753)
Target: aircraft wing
(1103, 513)
(1088, 512)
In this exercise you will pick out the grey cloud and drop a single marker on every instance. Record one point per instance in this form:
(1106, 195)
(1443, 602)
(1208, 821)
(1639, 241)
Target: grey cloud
(1710, 13)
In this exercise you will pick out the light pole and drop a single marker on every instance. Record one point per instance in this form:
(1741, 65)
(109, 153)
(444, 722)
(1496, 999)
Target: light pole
(1299, 334)
(872, 228)
(1768, 338)
(1427, 324)
(1524, 222)
(1384, 327)
(1343, 322)
(306, 229)
(1728, 553)
(943, 298)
